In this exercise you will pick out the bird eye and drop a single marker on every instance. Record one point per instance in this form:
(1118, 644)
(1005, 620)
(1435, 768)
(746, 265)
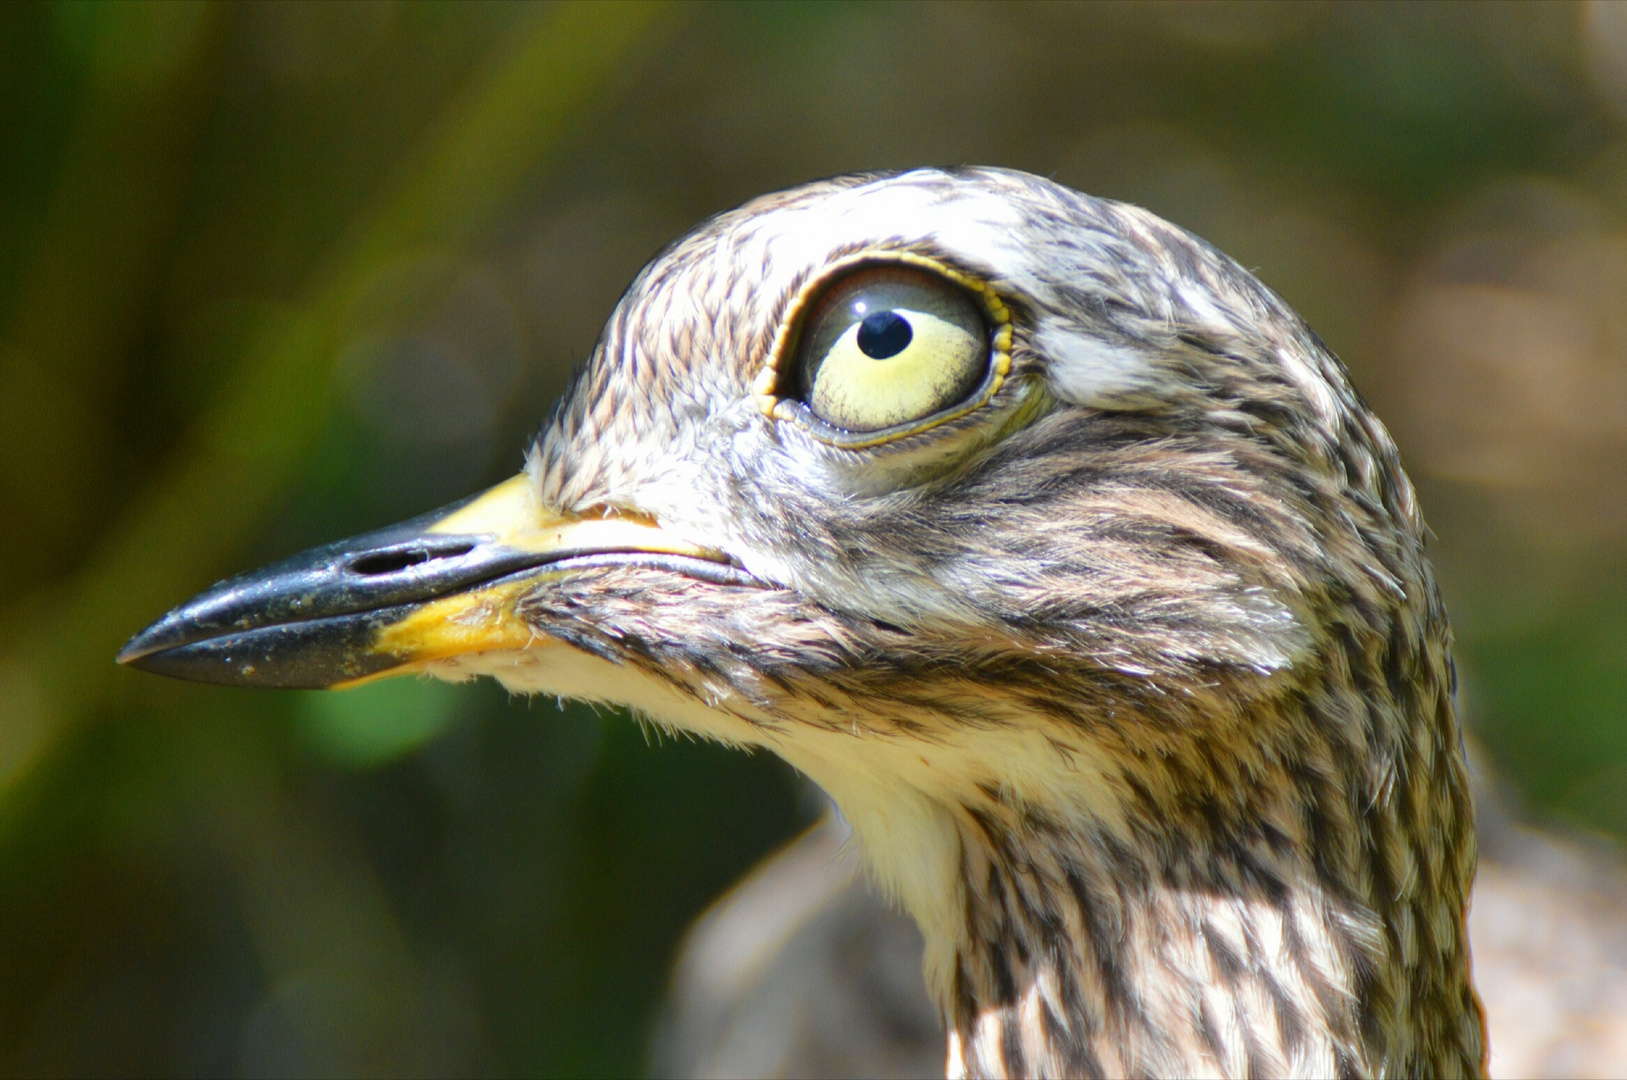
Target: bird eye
(890, 345)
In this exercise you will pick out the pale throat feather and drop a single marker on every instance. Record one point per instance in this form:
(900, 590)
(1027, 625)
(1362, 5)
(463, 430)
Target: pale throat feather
(1055, 948)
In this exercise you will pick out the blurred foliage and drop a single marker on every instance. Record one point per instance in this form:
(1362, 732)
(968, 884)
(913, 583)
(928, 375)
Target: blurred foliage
(271, 273)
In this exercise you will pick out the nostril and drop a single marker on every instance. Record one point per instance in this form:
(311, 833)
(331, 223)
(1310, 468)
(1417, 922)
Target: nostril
(391, 562)
(388, 562)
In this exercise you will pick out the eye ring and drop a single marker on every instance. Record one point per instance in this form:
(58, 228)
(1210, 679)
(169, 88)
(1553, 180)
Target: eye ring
(776, 387)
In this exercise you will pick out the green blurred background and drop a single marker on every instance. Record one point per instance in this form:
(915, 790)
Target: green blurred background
(275, 273)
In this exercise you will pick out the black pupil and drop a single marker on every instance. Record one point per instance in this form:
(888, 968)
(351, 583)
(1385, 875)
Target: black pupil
(884, 334)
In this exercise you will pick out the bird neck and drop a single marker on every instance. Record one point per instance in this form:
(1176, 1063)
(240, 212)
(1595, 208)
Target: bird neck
(1259, 937)
(1082, 958)
(1291, 919)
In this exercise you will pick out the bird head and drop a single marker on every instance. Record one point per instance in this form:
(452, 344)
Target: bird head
(1025, 523)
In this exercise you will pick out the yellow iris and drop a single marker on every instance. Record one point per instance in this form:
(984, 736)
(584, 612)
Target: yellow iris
(889, 346)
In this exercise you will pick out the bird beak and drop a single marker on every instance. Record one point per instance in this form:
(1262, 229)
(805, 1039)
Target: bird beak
(390, 601)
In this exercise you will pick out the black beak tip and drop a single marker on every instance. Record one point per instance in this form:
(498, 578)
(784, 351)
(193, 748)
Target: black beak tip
(156, 653)
(308, 655)
(149, 660)
(150, 643)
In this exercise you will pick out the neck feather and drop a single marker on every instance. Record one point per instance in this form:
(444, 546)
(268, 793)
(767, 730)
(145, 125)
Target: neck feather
(1288, 917)
(1080, 958)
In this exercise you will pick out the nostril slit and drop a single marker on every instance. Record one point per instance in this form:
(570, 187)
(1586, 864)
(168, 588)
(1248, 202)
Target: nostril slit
(390, 562)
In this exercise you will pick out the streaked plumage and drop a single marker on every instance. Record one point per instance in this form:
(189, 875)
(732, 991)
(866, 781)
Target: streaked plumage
(801, 970)
(1131, 676)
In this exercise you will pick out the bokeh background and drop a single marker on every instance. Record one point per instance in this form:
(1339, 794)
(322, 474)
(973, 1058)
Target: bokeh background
(272, 273)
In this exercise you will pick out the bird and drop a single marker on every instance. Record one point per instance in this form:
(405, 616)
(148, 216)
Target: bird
(1050, 543)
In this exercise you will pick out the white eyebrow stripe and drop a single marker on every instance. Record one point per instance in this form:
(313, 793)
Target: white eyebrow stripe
(1083, 367)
